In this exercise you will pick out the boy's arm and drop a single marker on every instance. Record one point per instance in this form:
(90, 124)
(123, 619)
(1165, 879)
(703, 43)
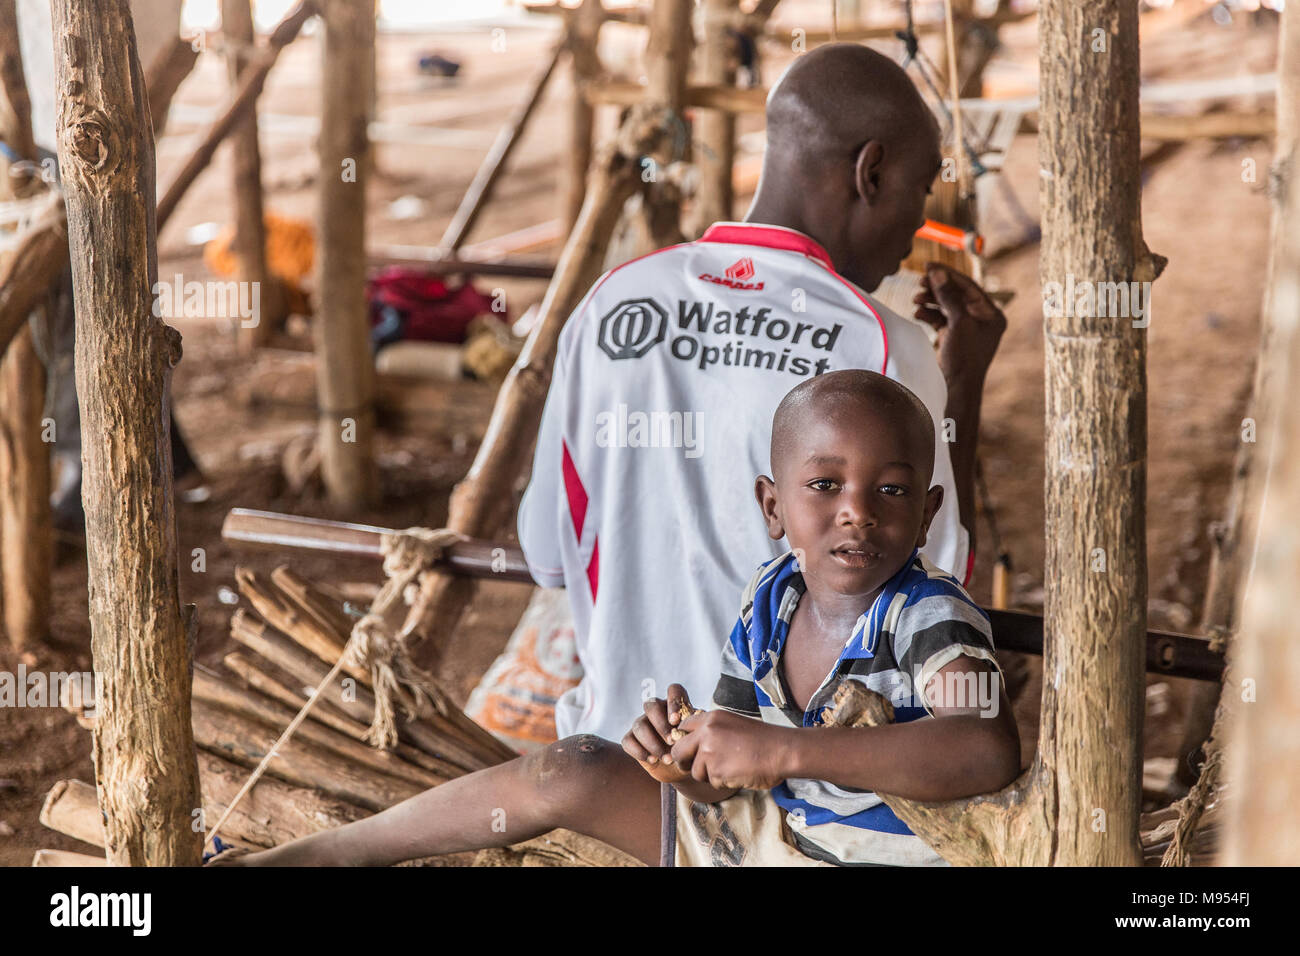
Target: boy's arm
(967, 750)
(959, 754)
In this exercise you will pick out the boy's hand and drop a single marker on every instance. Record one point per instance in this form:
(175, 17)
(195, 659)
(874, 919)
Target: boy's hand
(653, 734)
(732, 752)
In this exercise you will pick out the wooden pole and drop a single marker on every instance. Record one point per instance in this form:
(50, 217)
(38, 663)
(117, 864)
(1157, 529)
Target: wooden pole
(250, 87)
(715, 130)
(26, 534)
(1090, 754)
(345, 385)
(164, 76)
(249, 244)
(480, 190)
(1263, 759)
(144, 748)
(582, 31)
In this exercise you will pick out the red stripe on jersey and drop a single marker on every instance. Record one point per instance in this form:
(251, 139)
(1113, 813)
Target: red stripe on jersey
(576, 493)
(747, 234)
(593, 568)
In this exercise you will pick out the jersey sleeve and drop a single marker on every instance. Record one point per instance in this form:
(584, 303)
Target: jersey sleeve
(541, 509)
(935, 628)
(735, 690)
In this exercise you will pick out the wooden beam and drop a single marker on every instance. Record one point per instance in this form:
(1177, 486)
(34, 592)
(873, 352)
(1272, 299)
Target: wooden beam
(489, 171)
(164, 76)
(582, 33)
(29, 271)
(144, 748)
(341, 330)
(249, 243)
(250, 88)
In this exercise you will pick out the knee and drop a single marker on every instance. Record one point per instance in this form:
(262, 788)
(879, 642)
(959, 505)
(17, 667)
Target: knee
(574, 768)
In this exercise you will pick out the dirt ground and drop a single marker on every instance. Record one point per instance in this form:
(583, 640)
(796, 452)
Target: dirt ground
(1197, 210)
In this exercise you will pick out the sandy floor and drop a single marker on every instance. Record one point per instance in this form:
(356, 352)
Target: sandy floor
(1197, 210)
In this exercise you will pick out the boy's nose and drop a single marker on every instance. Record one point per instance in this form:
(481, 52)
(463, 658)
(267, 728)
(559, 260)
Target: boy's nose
(856, 509)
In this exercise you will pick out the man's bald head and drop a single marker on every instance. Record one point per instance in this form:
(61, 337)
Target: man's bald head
(851, 151)
(838, 396)
(835, 98)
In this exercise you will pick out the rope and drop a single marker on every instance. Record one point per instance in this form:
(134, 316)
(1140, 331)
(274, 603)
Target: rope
(394, 676)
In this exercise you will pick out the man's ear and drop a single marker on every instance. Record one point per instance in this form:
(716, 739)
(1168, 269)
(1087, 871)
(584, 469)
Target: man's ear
(933, 499)
(866, 170)
(765, 492)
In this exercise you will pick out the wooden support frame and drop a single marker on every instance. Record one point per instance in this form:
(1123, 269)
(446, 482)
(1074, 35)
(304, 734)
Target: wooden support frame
(141, 642)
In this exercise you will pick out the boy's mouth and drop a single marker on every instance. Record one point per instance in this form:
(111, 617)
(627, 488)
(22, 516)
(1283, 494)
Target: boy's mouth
(855, 556)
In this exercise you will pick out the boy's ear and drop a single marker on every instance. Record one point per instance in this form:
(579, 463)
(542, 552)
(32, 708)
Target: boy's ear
(933, 499)
(765, 492)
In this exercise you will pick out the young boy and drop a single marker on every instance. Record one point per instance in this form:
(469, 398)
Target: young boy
(852, 456)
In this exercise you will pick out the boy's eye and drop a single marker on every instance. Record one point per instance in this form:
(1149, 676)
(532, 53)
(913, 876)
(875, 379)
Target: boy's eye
(822, 484)
(894, 490)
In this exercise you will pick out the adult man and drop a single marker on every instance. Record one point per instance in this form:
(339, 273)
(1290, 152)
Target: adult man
(668, 372)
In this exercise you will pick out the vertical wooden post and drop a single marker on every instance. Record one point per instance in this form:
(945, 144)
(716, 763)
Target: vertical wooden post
(249, 245)
(583, 29)
(145, 766)
(1096, 432)
(715, 130)
(26, 535)
(345, 377)
(1263, 758)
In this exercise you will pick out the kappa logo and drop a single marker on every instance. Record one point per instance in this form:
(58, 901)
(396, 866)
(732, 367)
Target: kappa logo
(736, 276)
(632, 328)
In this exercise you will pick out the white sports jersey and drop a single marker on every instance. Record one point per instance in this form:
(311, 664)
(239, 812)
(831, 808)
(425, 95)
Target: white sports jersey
(658, 420)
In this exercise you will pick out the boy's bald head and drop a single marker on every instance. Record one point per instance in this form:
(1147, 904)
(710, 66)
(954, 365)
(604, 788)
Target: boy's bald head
(836, 395)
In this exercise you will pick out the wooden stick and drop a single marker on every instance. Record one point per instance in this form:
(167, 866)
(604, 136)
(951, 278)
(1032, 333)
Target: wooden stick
(282, 613)
(250, 88)
(359, 704)
(715, 130)
(256, 673)
(26, 538)
(28, 272)
(249, 703)
(248, 742)
(164, 76)
(66, 858)
(71, 807)
(273, 812)
(436, 261)
(15, 104)
(267, 529)
(147, 777)
(480, 190)
(582, 32)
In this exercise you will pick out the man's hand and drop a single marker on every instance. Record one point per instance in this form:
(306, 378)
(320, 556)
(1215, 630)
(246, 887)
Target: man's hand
(652, 735)
(731, 752)
(969, 323)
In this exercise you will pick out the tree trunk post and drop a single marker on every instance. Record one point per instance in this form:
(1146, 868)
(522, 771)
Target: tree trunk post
(582, 25)
(1096, 432)
(346, 371)
(145, 767)
(715, 130)
(1263, 758)
(249, 243)
(26, 534)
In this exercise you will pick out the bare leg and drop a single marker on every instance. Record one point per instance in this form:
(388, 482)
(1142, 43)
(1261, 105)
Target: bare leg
(581, 783)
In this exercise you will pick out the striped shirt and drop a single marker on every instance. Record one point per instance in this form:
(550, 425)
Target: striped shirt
(922, 620)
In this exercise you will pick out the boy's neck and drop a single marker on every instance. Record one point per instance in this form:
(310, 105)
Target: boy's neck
(833, 613)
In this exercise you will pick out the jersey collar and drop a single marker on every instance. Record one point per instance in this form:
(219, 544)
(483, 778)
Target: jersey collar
(773, 237)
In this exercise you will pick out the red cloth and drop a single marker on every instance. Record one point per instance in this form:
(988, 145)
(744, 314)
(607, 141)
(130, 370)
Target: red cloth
(433, 311)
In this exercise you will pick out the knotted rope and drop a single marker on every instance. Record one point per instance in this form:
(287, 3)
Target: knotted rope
(374, 645)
